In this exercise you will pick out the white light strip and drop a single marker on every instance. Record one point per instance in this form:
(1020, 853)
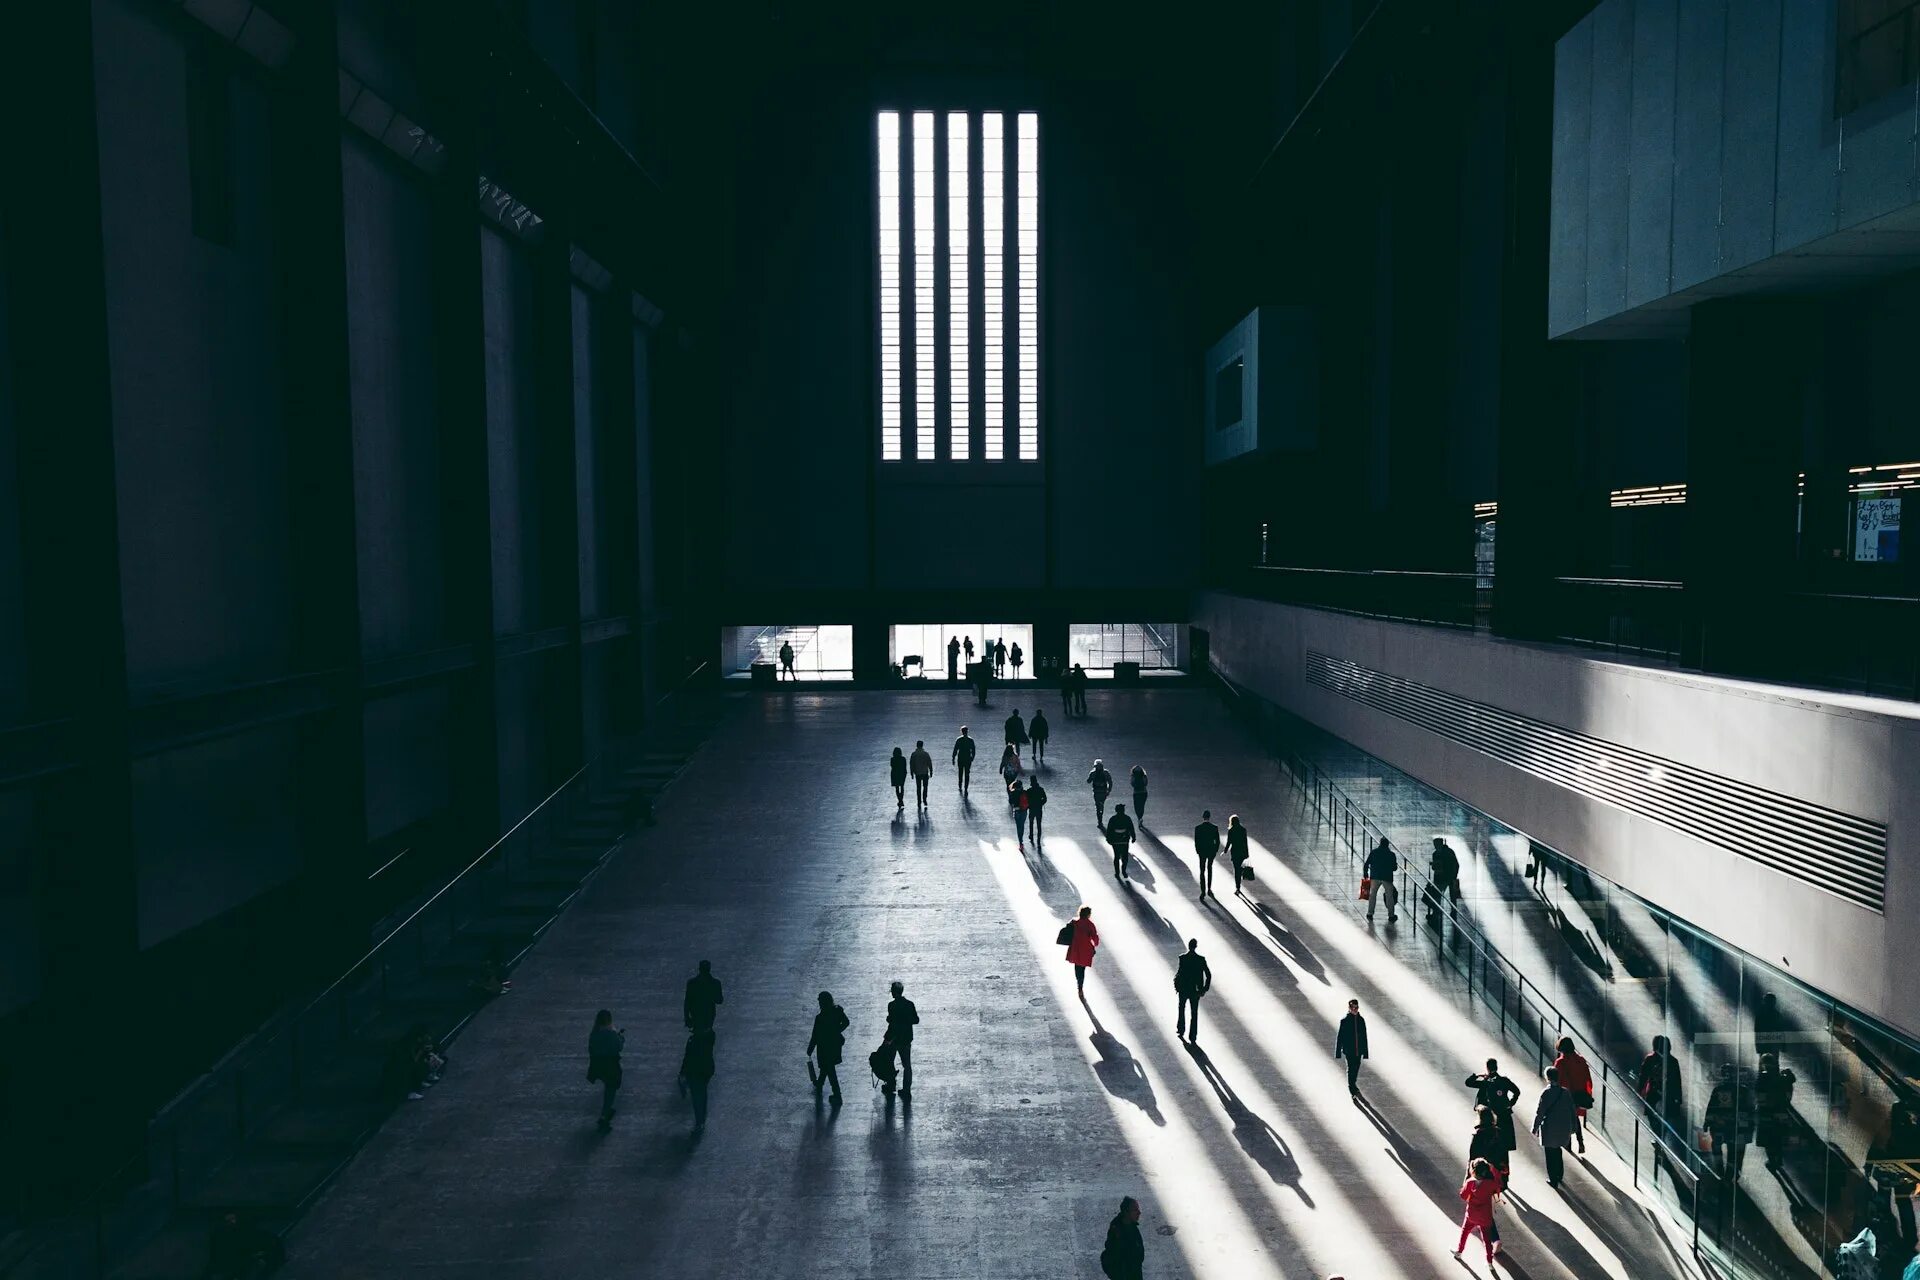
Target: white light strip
(924, 350)
(1028, 293)
(993, 234)
(959, 355)
(889, 225)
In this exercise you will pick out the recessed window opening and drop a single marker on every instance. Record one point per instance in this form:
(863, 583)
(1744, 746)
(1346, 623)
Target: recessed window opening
(920, 648)
(818, 652)
(1098, 646)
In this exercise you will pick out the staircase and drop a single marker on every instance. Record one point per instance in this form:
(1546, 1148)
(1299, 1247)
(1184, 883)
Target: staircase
(268, 1129)
(766, 645)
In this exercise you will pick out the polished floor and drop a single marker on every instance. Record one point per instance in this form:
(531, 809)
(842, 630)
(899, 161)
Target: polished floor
(780, 856)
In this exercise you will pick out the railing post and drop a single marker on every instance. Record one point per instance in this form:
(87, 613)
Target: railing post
(1636, 1153)
(1604, 1090)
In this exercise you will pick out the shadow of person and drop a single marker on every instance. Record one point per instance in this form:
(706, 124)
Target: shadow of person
(1290, 942)
(1121, 1074)
(899, 827)
(1263, 1145)
(1139, 869)
(1154, 921)
(1565, 1248)
(923, 827)
(1440, 1184)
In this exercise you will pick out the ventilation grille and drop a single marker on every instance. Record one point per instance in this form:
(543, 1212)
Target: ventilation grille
(1833, 851)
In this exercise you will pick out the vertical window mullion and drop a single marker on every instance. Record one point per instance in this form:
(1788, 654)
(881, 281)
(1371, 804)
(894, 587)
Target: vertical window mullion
(993, 284)
(889, 229)
(958, 296)
(925, 351)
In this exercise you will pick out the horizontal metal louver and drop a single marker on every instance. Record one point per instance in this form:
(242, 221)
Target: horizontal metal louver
(1833, 851)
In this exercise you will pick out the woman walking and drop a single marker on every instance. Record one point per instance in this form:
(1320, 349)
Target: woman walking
(1017, 797)
(1009, 764)
(1576, 1077)
(1140, 794)
(1080, 950)
(829, 1038)
(1478, 1193)
(1497, 1094)
(897, 771)
(1488, 1145)
(1237, 849)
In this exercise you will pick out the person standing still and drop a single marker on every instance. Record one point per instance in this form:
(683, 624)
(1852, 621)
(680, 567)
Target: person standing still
(1192, 978)
(1206, 847)
(826, 1044)
(1236, 849)
(696, 1073)
(1084, 941)
(963, 751)
(1066, 694)
(704, 997)
(921, 766)
(902, 1018)
(969, 650)
(1553, 1125)
(1079, 689)
(786, 662)
(1350, 1042)
(1019, 656)
(1120, 834)
(999, 658)
(1037, 731)
(1381, 866)
(897, 774)
(604, 1044)
(1124, 1256)
(1102, 783)
(953, 657)
(1036, 805)
(1139, 780)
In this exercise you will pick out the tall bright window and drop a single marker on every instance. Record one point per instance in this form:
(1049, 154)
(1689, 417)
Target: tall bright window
(958, 291)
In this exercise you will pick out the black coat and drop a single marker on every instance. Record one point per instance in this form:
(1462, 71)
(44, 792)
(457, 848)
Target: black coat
(902, 1017)
(1497, 1094)
(829, 1036)
(1206, 840)
(1352, 1035)
(1125, 1254)
(1194, 977)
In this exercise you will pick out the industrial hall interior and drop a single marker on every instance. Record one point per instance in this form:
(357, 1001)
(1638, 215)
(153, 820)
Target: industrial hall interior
(523, 521)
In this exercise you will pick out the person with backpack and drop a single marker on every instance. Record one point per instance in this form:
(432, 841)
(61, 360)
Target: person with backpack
(902, 1018)
(1009, 765)
(1102, 783)
(897, 774)
(920, 765)
(1081, 939)
(1124, 1255)
(1120, 834)
(1036, 806)
(1497, 1094)
(1017, 799)
(604, 1044)
(1350, 1042)
(1443, 886)
(1206, 847)
(1038, 731)
(1553, 1125)
(1139, 779)
(1237, 849)
(1380, 867)
(963, 753)
(1576, 1077)
(1192, 978)
(826, 1044)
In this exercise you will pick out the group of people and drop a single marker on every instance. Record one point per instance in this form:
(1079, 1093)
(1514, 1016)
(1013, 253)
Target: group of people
(996, 654)
(698, 1011)
(891, 1063)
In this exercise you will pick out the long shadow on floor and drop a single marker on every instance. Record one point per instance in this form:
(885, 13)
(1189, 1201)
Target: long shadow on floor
(1121, 1074)
(1263, 1145)
(1289, 942)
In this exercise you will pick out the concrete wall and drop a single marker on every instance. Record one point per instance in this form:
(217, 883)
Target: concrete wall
(1696, 151)
(1853, 754)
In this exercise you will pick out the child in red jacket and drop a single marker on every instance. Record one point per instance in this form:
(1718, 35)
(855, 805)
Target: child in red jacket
(1478, 1192)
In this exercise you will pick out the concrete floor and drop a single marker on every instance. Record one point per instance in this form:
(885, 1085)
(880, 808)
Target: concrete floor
(780, 857)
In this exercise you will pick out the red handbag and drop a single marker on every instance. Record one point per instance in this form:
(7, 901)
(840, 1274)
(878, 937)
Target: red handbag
(1366, 888)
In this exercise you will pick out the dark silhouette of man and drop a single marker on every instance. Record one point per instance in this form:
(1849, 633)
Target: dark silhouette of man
(1039, 731)
(921, 766)
(696, 1073)
(1192, 979)
(902, 1018)
(963, 753)
(1443, 888)
(953, 657)
(1120, 834)
(704, 997)
(999, 657)
(1350, 1042)
(786, 662)
(1206, 846)
(1125, 1254)
(1016, 729)
(1079, 689)
(604, 1044)
(1102, 783)
(1036, 805)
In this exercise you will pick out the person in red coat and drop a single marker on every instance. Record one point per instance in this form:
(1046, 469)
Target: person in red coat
(1478, 1192)
(1080, 950)
(1576, 1077)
